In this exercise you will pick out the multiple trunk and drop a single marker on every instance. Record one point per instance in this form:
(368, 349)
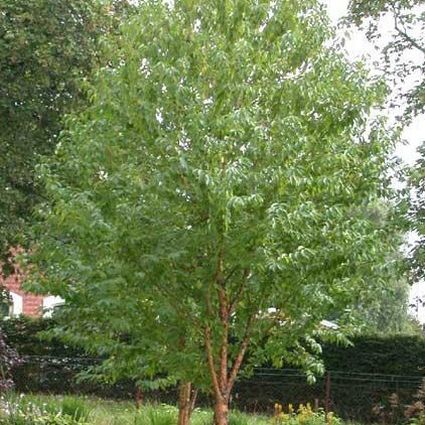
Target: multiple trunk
(187, 399)
(223, 377)
(223, 370)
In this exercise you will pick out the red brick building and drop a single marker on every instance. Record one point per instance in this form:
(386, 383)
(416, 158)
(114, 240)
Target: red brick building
(22, 302)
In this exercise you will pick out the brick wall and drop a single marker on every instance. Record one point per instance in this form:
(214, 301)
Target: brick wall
(32, 305)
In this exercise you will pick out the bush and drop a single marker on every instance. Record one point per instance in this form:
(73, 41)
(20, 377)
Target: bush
(304, 415)
(24, 334)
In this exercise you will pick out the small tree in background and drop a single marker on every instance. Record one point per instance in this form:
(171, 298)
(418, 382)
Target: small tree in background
(403, 66)
(222, 195)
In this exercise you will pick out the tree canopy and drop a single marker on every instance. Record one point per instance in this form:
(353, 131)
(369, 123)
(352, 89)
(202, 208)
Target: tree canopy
(222, 195)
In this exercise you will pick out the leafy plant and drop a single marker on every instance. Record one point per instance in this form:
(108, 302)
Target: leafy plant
(155, 416)
(304, 415)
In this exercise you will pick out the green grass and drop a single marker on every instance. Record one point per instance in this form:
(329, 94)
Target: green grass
(96, 411)
(72, 410)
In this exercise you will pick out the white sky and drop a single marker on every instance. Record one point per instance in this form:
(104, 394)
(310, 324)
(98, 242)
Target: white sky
(358, 47)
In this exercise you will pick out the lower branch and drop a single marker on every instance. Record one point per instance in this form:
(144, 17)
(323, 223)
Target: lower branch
(241, 354)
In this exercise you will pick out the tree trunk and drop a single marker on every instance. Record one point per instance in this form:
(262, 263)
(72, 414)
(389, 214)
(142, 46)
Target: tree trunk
(138, 398)
(221, 411)
(187, 397)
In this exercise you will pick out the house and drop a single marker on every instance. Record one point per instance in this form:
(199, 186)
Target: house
(22, 302)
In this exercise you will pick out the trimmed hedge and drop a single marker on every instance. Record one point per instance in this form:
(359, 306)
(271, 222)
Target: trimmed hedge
(23, 334)
(389, 355)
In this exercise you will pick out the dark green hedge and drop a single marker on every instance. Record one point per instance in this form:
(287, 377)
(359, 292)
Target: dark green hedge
(23, 333)
(49, 365)
(390, 355)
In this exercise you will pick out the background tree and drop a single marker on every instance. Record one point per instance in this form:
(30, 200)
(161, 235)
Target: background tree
(404, 66)
(47, 49)
(220, 194)
(404, 53)
(386, 310)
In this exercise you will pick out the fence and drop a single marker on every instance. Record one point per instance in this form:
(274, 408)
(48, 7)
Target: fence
(362, 397)
(365, 397)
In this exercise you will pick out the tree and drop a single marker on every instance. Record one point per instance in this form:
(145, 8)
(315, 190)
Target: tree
(47, 49)
(219, 196)
(386, 310)
(403, 69)
(404, 66)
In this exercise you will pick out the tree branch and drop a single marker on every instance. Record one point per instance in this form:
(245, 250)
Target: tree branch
(406, 36)
(224, 318)
(239, 293)
(231, 273)
(242, 350)
(210, 356)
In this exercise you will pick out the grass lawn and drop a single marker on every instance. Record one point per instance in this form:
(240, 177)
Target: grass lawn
(27, 410)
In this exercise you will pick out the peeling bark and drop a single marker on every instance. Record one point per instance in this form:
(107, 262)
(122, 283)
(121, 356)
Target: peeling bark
(186, 404)
(221, 411)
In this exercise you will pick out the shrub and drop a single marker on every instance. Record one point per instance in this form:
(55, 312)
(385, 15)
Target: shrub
(416, 410)
(304, 415)
(25, 335)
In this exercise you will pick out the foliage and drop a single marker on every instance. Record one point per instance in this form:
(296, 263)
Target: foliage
(398, 412)
(47, 49)
(417, 184)
(416, 409)
(221, 192)
(28, 335)
(386, 311)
